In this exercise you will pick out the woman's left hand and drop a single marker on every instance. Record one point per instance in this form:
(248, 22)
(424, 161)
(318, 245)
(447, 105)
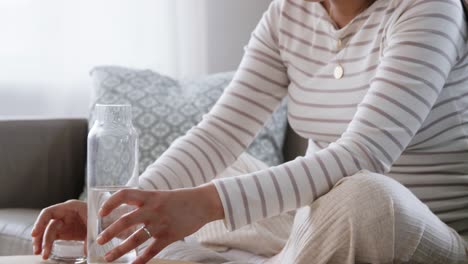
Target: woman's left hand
(167, 215)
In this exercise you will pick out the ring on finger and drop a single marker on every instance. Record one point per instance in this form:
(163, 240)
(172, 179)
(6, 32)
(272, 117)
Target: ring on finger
(145, 229)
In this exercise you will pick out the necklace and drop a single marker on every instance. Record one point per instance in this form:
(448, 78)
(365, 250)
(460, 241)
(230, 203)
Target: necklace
(339, 72)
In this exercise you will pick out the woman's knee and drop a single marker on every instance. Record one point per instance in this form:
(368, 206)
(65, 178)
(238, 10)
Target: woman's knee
(370, 200)
(372, 217)
(357, 214)
(378, 186)
(367, 186)
(378, 208)
(362, 199)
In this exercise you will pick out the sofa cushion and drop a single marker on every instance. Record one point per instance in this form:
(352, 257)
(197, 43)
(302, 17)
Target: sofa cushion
(165, 109)
(15, 231)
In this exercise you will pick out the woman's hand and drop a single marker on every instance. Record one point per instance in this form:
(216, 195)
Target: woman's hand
(65, 221)
(167, 215)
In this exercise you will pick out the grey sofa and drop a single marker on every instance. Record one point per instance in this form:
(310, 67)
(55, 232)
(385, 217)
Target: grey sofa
(42, 162)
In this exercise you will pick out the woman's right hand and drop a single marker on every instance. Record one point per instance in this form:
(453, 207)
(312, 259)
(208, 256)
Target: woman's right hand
(66, 221)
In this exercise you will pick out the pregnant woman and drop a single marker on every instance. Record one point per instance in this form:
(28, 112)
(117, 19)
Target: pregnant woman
(379, 88)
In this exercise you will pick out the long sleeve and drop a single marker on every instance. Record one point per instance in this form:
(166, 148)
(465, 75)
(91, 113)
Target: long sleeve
(225, 132)
(422, 46)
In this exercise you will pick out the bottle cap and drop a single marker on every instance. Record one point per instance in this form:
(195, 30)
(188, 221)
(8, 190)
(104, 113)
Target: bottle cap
(68, 250)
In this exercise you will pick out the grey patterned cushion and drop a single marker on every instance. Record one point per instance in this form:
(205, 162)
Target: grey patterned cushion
(165, 109)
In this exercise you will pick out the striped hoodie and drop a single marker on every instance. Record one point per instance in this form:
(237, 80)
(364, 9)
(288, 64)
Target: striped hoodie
(387, 93)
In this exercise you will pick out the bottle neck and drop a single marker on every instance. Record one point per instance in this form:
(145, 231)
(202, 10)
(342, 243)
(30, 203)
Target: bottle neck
(114, 115)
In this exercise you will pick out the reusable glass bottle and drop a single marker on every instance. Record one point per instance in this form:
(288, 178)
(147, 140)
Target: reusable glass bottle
(112, 165)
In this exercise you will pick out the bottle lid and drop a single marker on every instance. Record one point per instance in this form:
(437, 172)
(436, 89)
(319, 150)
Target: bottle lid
(69, 250)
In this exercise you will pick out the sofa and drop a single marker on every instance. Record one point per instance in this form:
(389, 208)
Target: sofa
(42, 162)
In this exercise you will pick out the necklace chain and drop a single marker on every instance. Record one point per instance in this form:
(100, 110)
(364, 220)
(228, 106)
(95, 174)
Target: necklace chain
(339, 70)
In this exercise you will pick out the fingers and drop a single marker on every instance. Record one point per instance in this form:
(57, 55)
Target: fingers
(41, 222)
(123, 223)
(129, 244)
(50, 235)
(37, 245)
(40, 225)
(126, 196)
(55, 211)
(152, 250)
(58, 212)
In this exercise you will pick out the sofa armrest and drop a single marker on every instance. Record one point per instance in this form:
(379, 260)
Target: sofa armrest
(42, 162)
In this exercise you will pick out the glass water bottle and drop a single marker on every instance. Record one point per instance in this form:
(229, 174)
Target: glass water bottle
(112, 166)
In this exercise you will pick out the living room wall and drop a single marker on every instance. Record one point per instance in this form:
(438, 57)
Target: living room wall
(49, 46)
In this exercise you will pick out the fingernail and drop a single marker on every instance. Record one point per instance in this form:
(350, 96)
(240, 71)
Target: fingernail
(45, 254)
(100, 239)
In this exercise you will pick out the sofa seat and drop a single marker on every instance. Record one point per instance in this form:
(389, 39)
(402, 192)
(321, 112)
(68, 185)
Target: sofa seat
(15, 231)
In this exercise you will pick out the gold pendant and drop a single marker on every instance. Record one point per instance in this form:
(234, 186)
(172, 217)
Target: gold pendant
(339, 44)
(339, 72)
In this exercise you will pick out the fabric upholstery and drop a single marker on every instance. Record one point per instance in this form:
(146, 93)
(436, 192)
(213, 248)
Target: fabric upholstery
(42, 162)
(15, 231)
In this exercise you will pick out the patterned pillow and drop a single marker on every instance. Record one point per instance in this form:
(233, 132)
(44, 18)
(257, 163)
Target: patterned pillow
(165, 109)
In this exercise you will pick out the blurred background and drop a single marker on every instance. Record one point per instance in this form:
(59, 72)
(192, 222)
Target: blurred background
(48, 47)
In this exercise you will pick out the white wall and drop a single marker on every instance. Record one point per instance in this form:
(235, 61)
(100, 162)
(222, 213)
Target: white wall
(229, 24)
(48, 47)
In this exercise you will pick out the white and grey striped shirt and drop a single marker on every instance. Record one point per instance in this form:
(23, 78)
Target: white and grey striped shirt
(400, 109)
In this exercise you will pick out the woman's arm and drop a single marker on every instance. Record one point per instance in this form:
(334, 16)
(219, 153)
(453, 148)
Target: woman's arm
(258, 87)
(413, 70)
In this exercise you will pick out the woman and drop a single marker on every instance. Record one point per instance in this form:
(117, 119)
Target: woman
(378, 87)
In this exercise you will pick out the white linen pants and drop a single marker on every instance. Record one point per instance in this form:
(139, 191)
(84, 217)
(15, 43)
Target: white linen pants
(370, 218)
(365, 218)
